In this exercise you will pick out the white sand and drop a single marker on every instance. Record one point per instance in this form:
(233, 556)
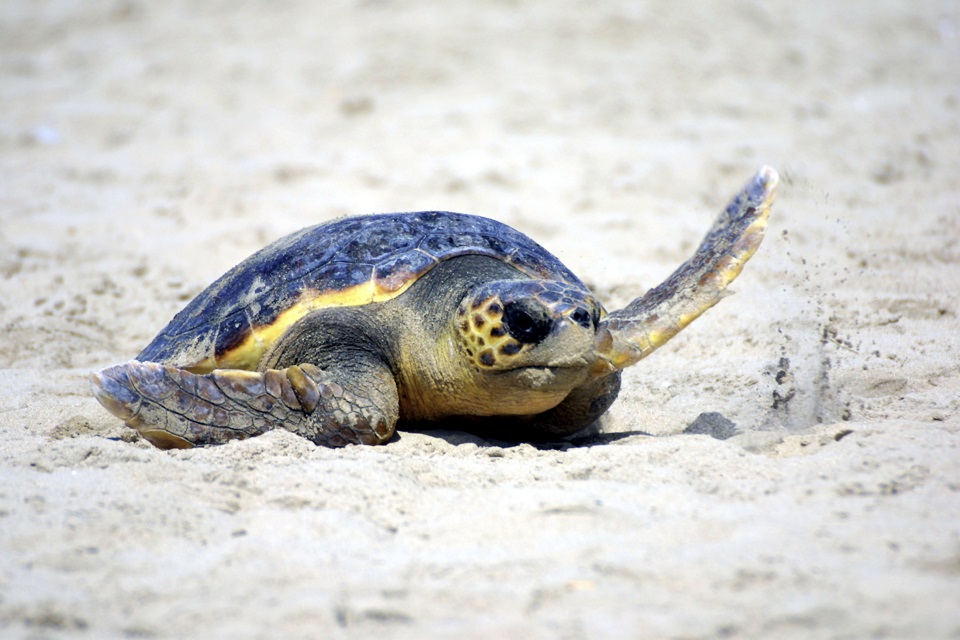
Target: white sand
(147, 147)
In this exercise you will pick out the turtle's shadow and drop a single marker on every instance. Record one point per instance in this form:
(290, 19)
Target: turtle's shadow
(589, 440)
(589, 437)
(711, 424)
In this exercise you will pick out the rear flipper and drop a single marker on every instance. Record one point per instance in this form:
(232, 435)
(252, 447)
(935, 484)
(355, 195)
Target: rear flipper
(173, 408)
(638, 329)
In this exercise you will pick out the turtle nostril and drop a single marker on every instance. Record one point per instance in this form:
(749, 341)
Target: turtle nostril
(583, 318)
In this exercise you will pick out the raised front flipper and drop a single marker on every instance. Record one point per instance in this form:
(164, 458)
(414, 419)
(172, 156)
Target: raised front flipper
(173, 408)
(637, 330)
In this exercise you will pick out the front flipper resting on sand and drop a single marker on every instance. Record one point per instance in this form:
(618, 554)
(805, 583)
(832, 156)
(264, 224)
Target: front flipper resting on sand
(174, 408)
(634, 332)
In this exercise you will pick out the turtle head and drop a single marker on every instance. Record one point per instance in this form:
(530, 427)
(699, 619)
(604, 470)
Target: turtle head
(525, 325)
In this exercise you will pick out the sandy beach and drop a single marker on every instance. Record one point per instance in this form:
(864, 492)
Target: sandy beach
(146, 148)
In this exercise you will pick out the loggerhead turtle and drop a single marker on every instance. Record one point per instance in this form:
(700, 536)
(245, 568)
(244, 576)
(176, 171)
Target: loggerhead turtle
(341, 330)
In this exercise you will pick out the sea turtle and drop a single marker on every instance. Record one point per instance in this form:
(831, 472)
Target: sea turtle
(340, 330)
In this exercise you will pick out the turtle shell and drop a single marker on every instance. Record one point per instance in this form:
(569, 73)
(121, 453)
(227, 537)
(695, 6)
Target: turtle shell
(346, 262)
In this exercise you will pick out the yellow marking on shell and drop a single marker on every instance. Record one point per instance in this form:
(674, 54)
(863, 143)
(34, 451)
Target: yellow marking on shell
(247, 354)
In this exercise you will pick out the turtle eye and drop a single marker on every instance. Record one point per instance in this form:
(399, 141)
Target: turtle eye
(527, 321)
(583, 318)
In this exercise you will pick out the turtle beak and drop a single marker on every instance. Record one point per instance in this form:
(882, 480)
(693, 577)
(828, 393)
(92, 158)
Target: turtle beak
(570, 343)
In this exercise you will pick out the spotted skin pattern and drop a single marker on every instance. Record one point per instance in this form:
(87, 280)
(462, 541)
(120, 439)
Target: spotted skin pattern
(484, 336)
(486, 339)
